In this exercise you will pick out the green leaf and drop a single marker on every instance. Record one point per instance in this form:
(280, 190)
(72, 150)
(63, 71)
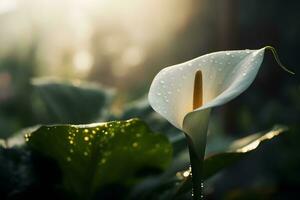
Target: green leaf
(236, 151)
(95, 155)
(67, 102)
(142, 109)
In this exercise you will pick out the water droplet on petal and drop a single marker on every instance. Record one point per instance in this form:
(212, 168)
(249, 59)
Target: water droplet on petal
(244, 74)
(162, 82)
(227, 53)
(158, 94)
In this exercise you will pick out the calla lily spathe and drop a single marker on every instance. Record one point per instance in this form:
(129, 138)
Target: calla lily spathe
(185, 93)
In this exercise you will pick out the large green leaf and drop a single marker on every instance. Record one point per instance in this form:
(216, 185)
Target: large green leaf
(92, 156)
(236, 151)
(68, 102)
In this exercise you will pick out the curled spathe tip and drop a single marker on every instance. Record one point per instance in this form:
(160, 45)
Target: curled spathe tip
(275, 54)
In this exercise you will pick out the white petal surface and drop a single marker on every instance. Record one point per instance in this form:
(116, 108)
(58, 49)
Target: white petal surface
(226, 74)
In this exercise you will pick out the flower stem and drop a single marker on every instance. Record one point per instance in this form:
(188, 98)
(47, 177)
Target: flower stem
(196, 173)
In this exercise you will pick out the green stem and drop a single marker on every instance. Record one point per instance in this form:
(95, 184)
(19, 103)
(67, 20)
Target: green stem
(196, 173)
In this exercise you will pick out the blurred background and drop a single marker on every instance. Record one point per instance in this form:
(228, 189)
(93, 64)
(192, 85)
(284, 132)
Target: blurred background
(123, 44)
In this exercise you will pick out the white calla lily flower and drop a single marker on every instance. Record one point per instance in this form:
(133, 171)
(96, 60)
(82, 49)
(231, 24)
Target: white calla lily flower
(185, 93)
(225, 75)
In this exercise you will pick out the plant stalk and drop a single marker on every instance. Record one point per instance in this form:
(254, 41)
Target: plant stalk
(196, 173)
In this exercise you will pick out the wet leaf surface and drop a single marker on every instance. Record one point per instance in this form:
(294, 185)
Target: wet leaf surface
(94, 156)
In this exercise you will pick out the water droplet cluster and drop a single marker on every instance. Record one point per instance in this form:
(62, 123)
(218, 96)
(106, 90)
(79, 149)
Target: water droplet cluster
(95, 142)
